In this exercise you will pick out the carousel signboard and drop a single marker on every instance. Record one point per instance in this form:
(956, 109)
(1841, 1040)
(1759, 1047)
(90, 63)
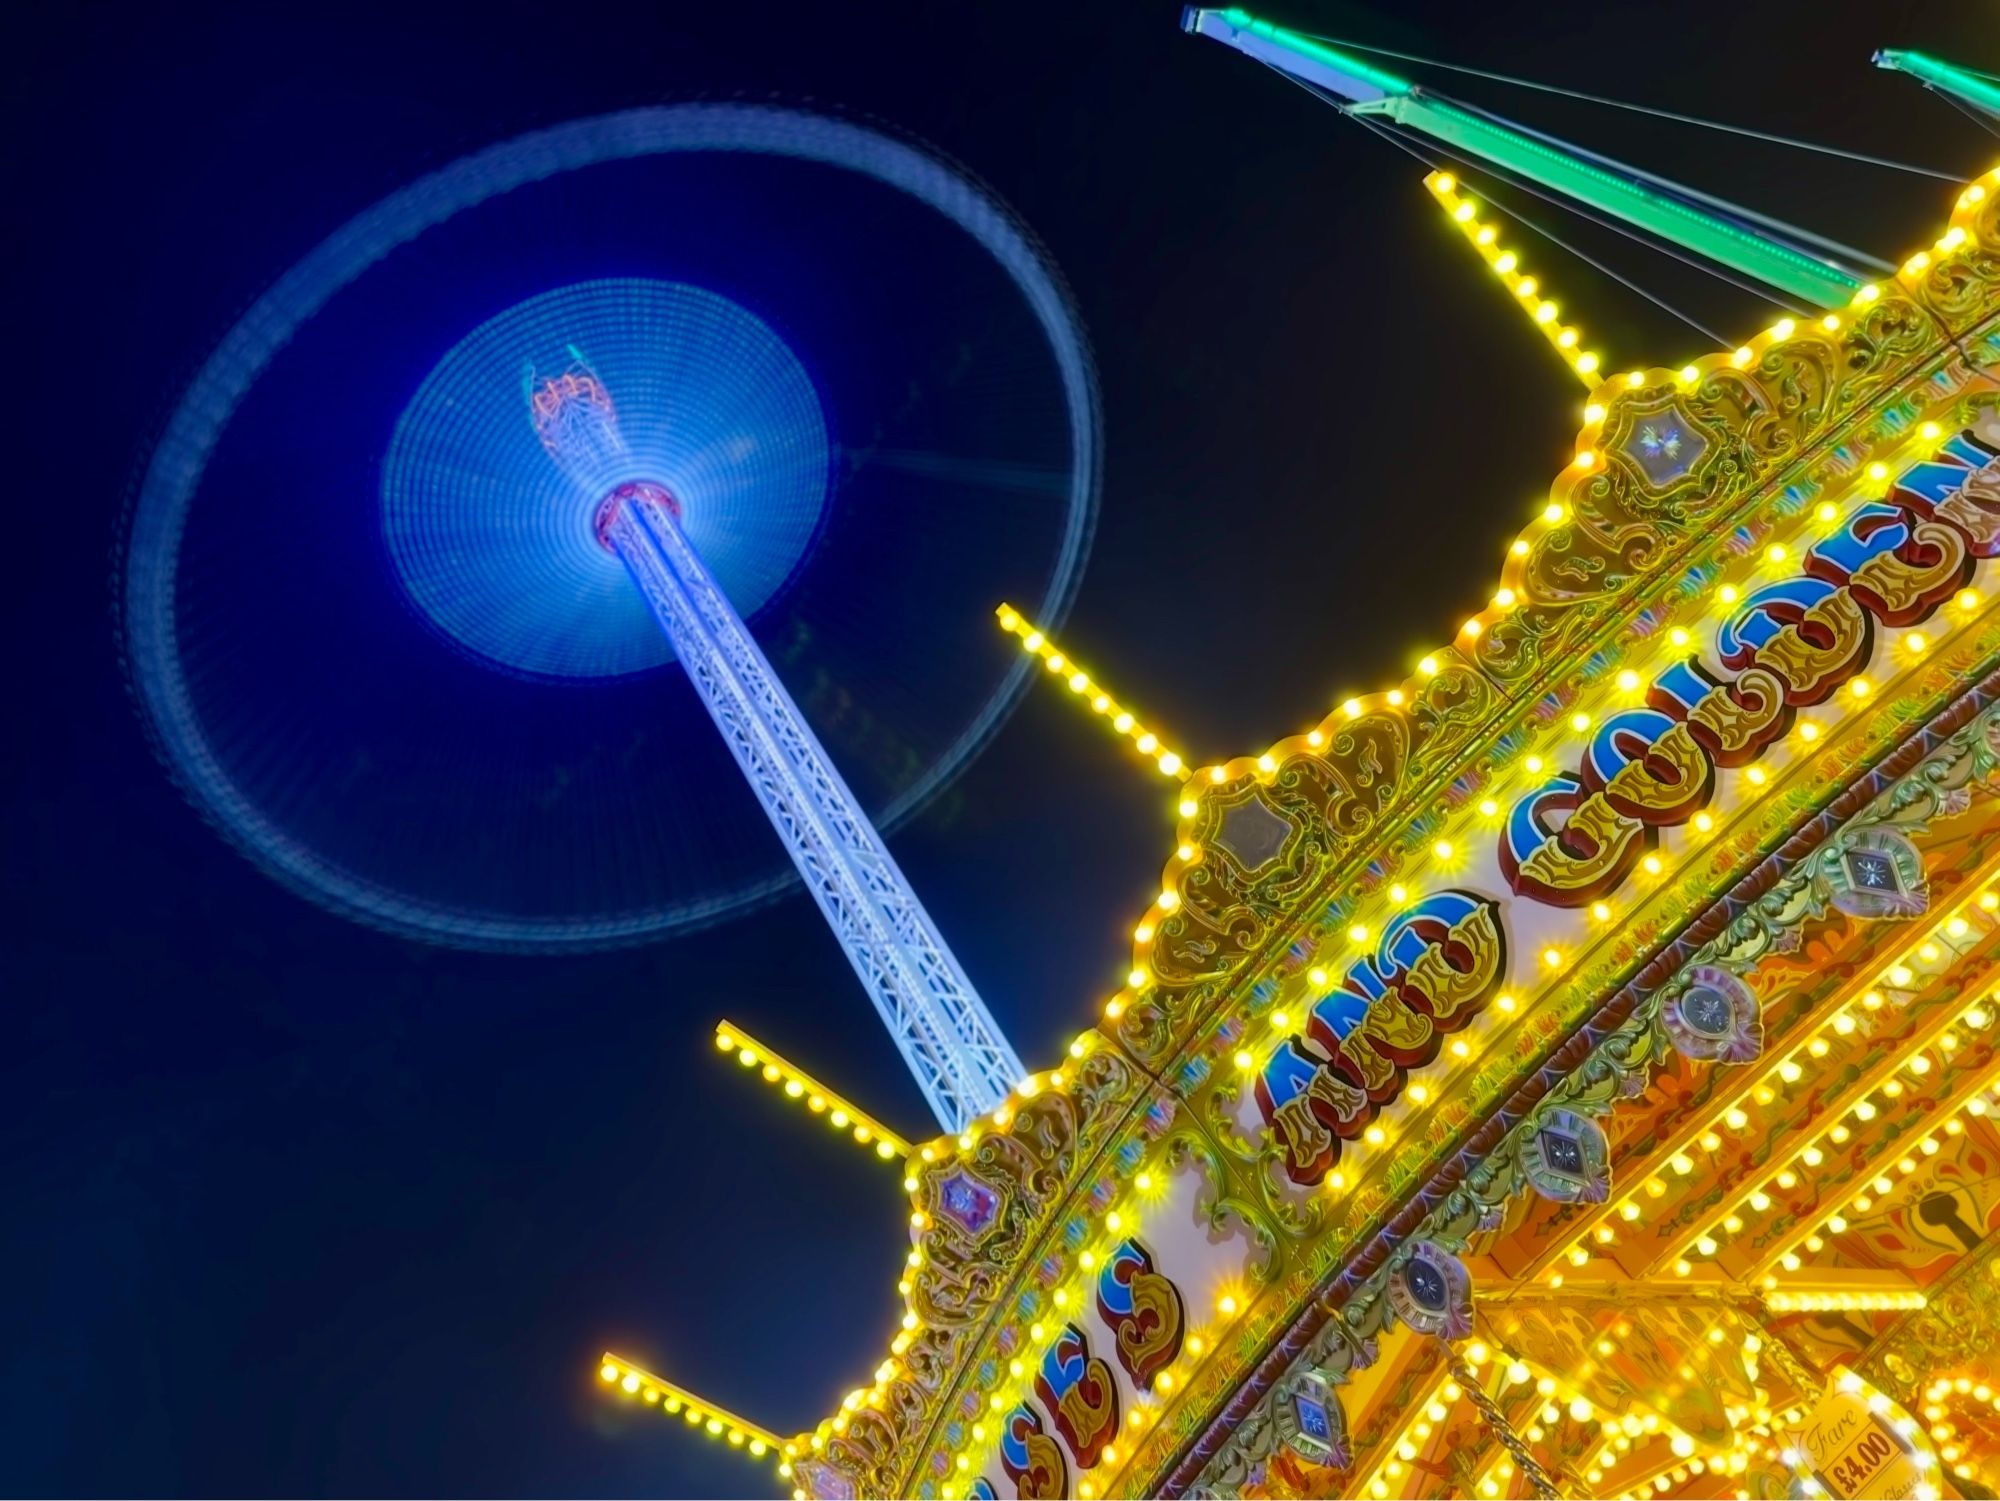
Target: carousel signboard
(1858, 1445)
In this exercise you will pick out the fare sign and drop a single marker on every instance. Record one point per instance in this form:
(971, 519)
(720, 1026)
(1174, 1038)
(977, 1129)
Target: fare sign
(1854, 1445)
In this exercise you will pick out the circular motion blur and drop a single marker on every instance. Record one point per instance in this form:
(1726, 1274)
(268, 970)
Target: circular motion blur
(380, 605)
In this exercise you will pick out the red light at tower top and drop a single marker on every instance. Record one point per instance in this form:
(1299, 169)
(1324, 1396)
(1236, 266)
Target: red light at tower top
(633, 490)
(575, 418)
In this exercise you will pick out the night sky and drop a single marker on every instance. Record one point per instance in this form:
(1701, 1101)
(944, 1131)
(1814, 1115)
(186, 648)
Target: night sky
(298, 1208)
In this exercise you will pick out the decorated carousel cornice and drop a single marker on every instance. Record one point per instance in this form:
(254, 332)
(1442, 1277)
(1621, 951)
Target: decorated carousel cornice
(1512, 1062)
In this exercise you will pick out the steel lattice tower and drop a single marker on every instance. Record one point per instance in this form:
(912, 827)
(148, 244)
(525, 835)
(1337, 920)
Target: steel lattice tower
(946, 1035)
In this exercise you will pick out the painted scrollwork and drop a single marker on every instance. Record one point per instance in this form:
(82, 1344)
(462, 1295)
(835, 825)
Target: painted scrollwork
(1934, 787)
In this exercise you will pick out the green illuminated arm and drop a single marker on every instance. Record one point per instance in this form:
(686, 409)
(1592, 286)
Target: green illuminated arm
(1973, 88)
(1369, 90)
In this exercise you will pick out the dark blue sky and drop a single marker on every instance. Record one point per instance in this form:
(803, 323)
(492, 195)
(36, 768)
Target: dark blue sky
(297, 1208)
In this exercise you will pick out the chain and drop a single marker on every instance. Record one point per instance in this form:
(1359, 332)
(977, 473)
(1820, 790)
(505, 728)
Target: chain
(1539, 1480)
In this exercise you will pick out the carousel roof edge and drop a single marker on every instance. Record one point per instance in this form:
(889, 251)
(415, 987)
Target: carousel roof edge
(1671, 468)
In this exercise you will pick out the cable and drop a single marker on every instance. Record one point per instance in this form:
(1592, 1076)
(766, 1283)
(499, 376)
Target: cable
(1589, 260)
(1805, 242)
(1399, 137)
(1644, 109)
(1977, 117)
(1617, 226)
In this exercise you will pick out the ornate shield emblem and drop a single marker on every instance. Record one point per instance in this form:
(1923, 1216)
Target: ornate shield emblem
(1432, 1293)
(1310, 1420)
(1566, 1159)
(1877, 873)
(1715, 1018)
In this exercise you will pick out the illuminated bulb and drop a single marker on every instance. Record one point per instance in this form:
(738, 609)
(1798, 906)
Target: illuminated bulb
(1533, 764)
(1703, 822)
(1967, 599)
(1579, 721)
(1628, 680)
(1488, 808)
(1808, 731)
(1267, 762)
(1727, 594)
(1600, 911)
(1442, 849)
(1915, 642)
(1428, 666)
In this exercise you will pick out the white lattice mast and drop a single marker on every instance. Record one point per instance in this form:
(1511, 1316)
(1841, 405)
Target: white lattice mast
(945, 1033)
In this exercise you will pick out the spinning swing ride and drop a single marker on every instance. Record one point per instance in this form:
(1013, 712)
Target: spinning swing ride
(1569, 1071)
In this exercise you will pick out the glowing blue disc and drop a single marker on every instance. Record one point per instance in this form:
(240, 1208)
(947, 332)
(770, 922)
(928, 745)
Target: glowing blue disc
(366, 619)
(495, 540)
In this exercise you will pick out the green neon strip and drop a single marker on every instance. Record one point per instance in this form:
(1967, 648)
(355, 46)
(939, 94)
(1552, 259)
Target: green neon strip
(1741, 249)
(1970, 87)
(1766, 260)
(1305, 46)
